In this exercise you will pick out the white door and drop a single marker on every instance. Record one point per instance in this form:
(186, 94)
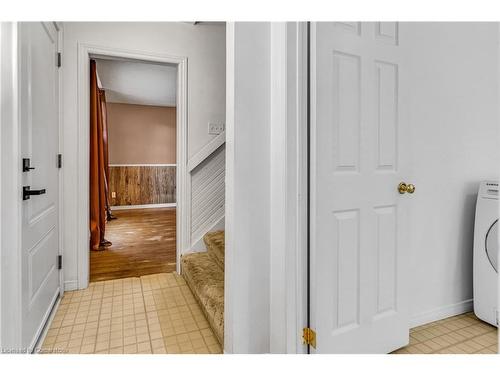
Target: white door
(359, 244)
(38, 85)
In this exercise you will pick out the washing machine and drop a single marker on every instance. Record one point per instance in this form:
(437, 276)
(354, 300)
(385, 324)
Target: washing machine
(486, 245)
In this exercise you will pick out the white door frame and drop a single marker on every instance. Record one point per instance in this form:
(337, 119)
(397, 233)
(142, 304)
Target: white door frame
(60, 32)
(85, 53)
(10, 178)
(288, 187)
(289, 190)
(10, 187)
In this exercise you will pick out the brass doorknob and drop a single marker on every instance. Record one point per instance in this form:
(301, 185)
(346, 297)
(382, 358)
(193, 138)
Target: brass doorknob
(403, 187)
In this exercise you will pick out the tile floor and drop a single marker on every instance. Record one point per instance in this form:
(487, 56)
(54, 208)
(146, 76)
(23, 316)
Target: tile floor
(461, 334)
(151, 314)
(158, 314)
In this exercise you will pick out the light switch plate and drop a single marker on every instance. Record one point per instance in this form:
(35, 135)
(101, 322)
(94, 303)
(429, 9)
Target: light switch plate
(215, 128)
(113, 194)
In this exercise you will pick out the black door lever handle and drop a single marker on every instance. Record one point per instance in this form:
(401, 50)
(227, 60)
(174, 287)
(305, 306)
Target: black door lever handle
(27, 192)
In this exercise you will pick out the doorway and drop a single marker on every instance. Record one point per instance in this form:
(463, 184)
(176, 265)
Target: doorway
(139, 147)
(170, 213)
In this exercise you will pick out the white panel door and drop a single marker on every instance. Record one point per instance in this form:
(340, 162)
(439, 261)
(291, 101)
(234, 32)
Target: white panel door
(359, 220)
(38, 85)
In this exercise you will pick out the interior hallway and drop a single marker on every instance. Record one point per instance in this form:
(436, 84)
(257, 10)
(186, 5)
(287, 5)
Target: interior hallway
(151, 314)
(144, 243)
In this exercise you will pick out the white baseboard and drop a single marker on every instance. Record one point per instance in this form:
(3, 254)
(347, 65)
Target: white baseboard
(139, 206)
(441, 313)
(43, 334)
(70, 285)
(199, 245)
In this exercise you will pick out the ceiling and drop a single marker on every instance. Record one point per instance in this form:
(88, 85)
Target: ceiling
(141, 83)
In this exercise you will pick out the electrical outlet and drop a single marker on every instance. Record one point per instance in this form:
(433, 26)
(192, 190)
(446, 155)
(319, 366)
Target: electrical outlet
(113, 194)
(215, 128)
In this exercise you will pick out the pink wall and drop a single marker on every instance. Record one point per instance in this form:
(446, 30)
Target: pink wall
(140, 134)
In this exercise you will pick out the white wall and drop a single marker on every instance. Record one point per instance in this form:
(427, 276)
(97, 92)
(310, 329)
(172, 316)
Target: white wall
(204, 47)
(247, 189)
(455, 144)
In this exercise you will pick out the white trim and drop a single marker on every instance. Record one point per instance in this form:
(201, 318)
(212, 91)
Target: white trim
(278, 189)
(142, 165)
(297, 167)
(60, 43)
(288, 187)
(441, 313)
(288, 273)
(2, 78)
(498, 140)
(206, 151)
(229, 215)
(43, 334)
(312, 168)
(70, 285)
(85, 52)
(10, 176)
(141, 206)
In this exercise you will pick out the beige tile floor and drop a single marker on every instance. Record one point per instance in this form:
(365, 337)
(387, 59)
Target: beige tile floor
(158, 314)
(151, 314)
(461, 334)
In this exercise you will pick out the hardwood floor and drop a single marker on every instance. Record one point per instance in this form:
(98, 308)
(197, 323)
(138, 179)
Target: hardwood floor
(144, 243)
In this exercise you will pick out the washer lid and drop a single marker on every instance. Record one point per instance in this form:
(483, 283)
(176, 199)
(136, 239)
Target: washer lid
(492, 245)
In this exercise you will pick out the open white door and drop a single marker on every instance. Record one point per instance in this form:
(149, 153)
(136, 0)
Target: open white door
(38, 85)
(359, 238)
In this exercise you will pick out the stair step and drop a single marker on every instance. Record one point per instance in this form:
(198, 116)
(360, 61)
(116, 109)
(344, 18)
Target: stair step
(206, 280)
(215, 243)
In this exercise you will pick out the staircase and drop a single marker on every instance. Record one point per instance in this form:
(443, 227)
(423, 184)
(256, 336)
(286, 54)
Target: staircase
(204, 274)
(207, 171)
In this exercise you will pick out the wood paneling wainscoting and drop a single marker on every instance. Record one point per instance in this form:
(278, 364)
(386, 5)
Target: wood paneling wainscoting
(142, 184)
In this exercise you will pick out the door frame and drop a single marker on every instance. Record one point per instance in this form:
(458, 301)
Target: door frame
(288, 182)
(10, 187)
(289, 186)
(10, 178)
(183, 188)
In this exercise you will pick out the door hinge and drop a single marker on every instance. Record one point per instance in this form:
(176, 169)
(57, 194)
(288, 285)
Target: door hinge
(59, 160)
(309, 337)
(59, 262)
(59, 59)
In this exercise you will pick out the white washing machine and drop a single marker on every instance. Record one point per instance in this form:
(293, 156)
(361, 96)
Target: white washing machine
(486, 245)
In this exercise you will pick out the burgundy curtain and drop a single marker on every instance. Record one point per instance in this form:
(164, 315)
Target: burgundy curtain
(109, 216)
(98, 163)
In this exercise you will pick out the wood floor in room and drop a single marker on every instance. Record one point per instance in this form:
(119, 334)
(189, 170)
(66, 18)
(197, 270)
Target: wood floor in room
(144, 243)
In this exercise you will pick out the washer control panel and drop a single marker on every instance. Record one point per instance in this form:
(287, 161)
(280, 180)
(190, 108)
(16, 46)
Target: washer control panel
(489, 190)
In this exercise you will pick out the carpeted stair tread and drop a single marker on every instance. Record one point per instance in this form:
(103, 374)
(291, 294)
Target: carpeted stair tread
(214, 241)
(205, 278)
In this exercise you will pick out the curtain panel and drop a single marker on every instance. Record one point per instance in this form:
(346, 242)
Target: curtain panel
(99, 170)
